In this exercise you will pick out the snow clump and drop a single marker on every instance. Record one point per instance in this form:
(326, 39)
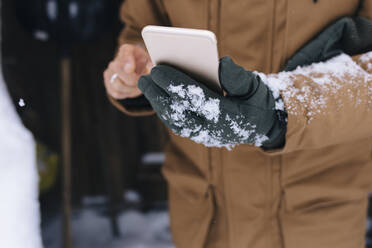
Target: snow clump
(209, 125)
(21, 103)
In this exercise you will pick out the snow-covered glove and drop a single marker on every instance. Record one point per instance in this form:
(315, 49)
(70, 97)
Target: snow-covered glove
(248, 114)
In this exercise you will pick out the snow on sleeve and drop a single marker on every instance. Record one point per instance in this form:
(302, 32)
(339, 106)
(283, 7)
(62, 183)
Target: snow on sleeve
(365, 60)
(309, 90)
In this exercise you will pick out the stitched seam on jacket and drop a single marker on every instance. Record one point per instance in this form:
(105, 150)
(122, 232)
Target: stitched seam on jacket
(273, 27)
(286, 33)
(226, 198)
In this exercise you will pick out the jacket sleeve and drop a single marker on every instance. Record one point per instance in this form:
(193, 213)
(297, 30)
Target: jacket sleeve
(328, 103)
(136, 14)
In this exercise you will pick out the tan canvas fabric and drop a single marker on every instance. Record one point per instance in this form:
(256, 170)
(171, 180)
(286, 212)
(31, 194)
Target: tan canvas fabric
(313, 192)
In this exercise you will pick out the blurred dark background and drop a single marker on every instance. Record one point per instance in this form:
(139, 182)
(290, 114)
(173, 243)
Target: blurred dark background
(112, 154)
(103, 137)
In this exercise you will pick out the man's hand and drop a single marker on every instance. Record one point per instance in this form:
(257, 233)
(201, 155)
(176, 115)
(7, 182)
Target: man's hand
(248, 114)
(121, 76)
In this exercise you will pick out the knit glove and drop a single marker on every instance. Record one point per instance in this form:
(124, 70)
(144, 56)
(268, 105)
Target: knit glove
(248, 114)
(350, 35)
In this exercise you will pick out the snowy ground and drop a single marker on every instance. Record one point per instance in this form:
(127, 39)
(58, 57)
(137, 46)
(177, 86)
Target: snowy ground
(92, 229)
(19, 208)
(138, 230)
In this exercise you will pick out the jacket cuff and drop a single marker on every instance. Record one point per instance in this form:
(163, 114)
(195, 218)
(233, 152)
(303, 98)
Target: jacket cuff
(138, 106)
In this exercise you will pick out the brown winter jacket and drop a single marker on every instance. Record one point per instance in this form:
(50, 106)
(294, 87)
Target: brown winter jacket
(313, 192)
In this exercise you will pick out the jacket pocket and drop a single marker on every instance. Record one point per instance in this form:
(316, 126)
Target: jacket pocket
(191, 221)
(191, 201)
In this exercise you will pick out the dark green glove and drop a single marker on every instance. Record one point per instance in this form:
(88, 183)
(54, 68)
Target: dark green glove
(350, 35)
(247, 115)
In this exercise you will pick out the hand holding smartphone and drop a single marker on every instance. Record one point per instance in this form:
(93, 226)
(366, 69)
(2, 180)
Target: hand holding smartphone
(192, 50)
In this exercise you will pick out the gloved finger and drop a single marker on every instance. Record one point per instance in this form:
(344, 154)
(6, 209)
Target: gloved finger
(190, 126)
(151, 91)
(235, 80)
(165, 75)
(173, 80)
(169, 116)
(158, 98)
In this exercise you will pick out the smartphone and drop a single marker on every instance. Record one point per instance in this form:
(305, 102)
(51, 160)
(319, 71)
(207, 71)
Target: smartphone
(192, 50)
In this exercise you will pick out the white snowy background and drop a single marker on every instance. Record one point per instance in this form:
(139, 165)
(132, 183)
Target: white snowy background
(19, 207)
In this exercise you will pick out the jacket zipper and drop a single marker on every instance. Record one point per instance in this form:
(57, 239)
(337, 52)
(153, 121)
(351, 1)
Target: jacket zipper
(213, 15)
(272, 37)
(213, 8)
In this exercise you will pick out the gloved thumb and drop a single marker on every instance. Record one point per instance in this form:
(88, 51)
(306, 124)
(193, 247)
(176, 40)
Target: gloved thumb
(235, 80)
(151, 91)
